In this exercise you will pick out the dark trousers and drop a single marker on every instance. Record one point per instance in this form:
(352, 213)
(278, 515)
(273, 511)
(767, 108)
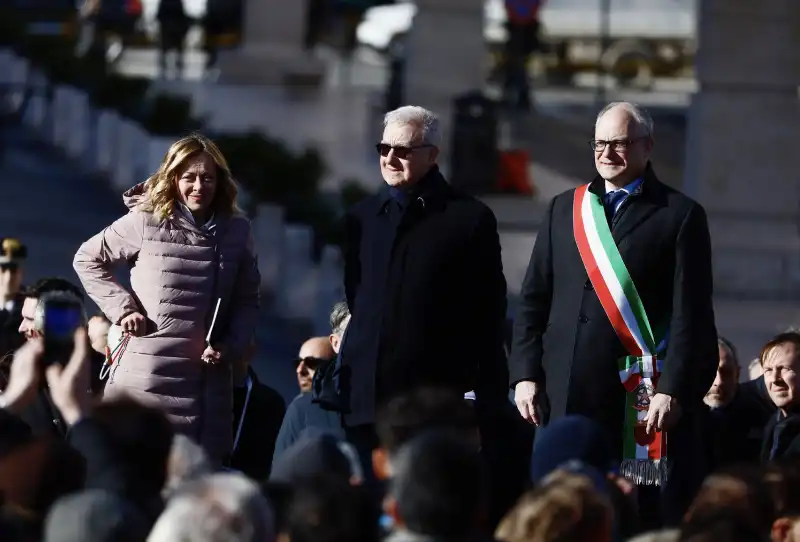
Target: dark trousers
(506, 448)
(522, 41)
(171, 39)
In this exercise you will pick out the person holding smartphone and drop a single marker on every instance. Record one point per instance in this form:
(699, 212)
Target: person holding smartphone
(40, 413)
(192, 305)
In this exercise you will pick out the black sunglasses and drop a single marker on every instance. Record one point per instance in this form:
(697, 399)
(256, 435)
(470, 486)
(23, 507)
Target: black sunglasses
(401, 151)
(9, 267)
(309, 361)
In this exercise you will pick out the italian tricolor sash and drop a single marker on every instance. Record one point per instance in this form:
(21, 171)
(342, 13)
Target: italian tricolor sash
(643, 455)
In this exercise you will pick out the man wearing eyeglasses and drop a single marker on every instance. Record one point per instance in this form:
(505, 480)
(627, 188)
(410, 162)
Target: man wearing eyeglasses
(12, 258)
(424, 283)
(615, 318)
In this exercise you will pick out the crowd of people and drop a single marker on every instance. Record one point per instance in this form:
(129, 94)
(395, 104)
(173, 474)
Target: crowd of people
(615, 412)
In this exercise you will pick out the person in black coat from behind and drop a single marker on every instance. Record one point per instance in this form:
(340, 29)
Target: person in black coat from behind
(173, 26)
(424, 283)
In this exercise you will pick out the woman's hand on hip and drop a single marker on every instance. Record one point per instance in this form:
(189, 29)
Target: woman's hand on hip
(134, 323)
(212, 355)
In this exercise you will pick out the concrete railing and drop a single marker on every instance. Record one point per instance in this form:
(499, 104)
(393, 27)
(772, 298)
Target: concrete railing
(120, 150)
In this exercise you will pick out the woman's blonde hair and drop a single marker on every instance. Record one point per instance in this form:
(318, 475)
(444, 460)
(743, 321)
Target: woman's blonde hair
(565, 508)
(162, 187)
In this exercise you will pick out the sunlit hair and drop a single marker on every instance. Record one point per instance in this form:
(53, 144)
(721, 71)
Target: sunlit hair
(787, 337)
(743, 490)
(162, 187)
(566, 507)
(638, 113)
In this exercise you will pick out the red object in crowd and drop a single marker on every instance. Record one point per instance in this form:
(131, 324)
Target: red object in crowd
(133, 7)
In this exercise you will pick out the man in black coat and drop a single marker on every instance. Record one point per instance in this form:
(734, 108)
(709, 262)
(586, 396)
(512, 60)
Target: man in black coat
(737, 413)
(424, 283)
(565, 351)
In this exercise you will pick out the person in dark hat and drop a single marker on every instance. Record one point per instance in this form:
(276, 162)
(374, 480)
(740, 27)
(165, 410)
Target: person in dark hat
(12, 258)
(571, 438)
(317, 453)
(580, 445)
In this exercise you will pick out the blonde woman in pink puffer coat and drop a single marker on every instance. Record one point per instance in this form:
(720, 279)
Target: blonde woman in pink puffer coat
(188, 249)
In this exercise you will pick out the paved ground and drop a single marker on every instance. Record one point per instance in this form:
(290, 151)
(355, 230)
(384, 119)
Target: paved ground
(53, 206)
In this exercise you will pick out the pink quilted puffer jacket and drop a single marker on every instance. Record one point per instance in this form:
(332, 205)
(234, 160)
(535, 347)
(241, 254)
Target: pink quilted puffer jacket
(177, 270)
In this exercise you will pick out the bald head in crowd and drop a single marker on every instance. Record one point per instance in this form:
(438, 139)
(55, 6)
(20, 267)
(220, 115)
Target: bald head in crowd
(314, 352)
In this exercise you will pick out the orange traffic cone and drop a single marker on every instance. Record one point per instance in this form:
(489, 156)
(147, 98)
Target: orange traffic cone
(513, 173)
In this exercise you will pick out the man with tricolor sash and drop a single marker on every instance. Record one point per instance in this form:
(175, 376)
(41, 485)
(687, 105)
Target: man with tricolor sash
(615, 318)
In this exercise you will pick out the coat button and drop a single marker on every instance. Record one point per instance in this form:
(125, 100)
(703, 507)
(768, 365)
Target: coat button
(582, 319)
(588, 285)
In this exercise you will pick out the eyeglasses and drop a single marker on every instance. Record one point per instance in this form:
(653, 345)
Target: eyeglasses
(12, 267)
(400, 151)
(599, 145)
(310, 362)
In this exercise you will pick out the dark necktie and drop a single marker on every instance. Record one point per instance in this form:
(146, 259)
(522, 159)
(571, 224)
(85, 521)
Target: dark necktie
(612, 199)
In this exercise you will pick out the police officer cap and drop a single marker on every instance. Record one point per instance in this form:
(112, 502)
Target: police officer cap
(12, 251)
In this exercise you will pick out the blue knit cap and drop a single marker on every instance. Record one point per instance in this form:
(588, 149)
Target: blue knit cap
(571, 438)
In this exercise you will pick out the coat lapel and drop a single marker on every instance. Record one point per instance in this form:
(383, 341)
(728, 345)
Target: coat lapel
(648, 199)
(635, 212)
(431, 193)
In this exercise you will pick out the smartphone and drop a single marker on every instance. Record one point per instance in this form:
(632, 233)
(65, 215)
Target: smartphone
(58, 315)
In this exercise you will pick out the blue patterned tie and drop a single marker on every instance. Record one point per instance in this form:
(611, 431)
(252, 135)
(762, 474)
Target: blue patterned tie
(611, 201)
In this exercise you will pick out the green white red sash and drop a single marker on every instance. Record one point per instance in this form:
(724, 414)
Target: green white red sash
(643, 456)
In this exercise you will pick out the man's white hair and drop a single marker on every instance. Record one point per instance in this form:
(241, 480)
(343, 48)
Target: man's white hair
(425, 120)
(224, 507)
(639, 115)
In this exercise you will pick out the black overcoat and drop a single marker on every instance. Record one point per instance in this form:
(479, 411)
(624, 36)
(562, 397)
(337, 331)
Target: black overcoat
(562, 336)
(425, 286)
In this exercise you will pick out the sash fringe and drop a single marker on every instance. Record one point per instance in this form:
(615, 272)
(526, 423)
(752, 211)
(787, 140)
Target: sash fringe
(645, 472)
